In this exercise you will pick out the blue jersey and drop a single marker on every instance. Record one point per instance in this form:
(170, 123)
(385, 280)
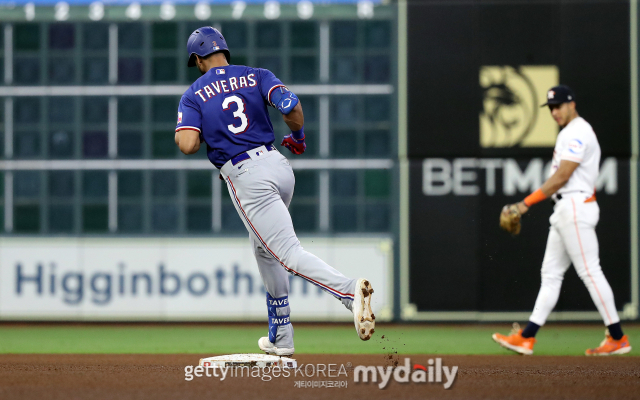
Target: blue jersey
(228, 106)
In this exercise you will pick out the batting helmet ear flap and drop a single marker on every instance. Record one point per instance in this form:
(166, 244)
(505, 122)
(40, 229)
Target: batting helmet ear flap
(192, 61)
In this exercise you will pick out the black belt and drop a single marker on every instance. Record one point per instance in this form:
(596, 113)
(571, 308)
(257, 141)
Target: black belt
(245, 155)
(558, 196)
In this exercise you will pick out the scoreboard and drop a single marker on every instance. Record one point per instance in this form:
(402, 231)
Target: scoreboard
(190, 10)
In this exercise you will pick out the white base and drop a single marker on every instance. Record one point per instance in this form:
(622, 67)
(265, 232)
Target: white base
(248, 360)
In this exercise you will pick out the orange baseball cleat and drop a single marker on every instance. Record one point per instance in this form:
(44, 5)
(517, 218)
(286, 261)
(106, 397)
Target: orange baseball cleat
(610, 346)
(515, 341)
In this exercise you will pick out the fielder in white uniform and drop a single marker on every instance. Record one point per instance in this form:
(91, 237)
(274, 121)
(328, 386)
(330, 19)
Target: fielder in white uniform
(572, 235)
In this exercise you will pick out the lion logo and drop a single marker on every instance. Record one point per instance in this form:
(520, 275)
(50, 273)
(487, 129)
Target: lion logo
(511, 114)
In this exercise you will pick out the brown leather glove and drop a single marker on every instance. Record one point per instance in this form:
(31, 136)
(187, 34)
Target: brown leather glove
(510, 219)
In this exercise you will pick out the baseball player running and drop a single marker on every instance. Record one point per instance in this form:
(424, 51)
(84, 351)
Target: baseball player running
(226, 108)
(572, 236)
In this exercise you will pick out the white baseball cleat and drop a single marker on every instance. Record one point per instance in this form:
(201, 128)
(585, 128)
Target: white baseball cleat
(363, 317)
(265, 345)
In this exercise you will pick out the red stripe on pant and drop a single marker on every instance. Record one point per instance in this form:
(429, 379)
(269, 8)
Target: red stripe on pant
(584, 259)
(235, 195)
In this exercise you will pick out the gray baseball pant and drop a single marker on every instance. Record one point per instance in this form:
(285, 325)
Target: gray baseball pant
(261, 189)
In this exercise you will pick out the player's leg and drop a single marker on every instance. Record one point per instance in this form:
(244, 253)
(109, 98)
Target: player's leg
(257, 197)
(579, 234)
(554, 265)
(256, 189)
(276, 282)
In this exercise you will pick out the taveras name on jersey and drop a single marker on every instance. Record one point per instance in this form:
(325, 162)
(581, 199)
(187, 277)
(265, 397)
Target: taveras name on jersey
(228, 105)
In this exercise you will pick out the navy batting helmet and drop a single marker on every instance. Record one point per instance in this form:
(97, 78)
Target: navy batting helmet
(204, 41)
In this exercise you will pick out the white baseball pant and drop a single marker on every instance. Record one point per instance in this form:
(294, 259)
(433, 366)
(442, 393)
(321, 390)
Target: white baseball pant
(572, 240)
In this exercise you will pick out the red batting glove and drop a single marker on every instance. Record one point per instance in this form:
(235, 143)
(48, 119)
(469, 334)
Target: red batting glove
(295, 146)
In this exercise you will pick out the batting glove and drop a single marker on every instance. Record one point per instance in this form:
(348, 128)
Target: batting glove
(296, 146)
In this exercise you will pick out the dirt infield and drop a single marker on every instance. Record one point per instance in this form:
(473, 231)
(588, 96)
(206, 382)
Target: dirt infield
(162, 377)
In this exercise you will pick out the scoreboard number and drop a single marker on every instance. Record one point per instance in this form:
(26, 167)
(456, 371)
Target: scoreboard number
(61, 11)
(202, 11)
(238, 8)
(134, 11)
(305, 9)
(96, 11)
(29, 11)
(271, 10)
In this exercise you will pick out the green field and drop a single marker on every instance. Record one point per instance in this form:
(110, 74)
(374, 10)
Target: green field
(309, 339)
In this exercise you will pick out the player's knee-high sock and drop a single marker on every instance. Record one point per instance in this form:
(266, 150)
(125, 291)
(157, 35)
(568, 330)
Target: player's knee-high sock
(615, 330)
(276, 281)
(280, 329)
(530, 330)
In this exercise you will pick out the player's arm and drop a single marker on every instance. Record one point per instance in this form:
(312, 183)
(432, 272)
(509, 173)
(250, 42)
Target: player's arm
(188, 140)
(295, 119)
(560, 178)
(551, 186)
(289, 105)
(188, 130)
(284, 100)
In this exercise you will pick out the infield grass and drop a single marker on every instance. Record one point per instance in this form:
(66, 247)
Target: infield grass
(309, 339)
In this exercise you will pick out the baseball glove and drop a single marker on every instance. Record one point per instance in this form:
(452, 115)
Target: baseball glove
(510, 219)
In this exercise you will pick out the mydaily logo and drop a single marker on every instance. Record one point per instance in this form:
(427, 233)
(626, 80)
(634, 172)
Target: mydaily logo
(415, 373)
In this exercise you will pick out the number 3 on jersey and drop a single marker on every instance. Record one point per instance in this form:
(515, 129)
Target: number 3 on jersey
(239, 113)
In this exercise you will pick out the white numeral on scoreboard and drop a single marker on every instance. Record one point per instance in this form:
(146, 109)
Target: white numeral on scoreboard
(96, 11)
(305, 9)
(202, 10)
(29, 11)
(365, 9)
(237, 9)
(61, 11)
(271, 10)
(167, 11)
(134, 11)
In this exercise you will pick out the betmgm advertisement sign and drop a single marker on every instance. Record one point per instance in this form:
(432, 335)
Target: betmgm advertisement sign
(173, 279)
(478, 139)
(461, 261)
